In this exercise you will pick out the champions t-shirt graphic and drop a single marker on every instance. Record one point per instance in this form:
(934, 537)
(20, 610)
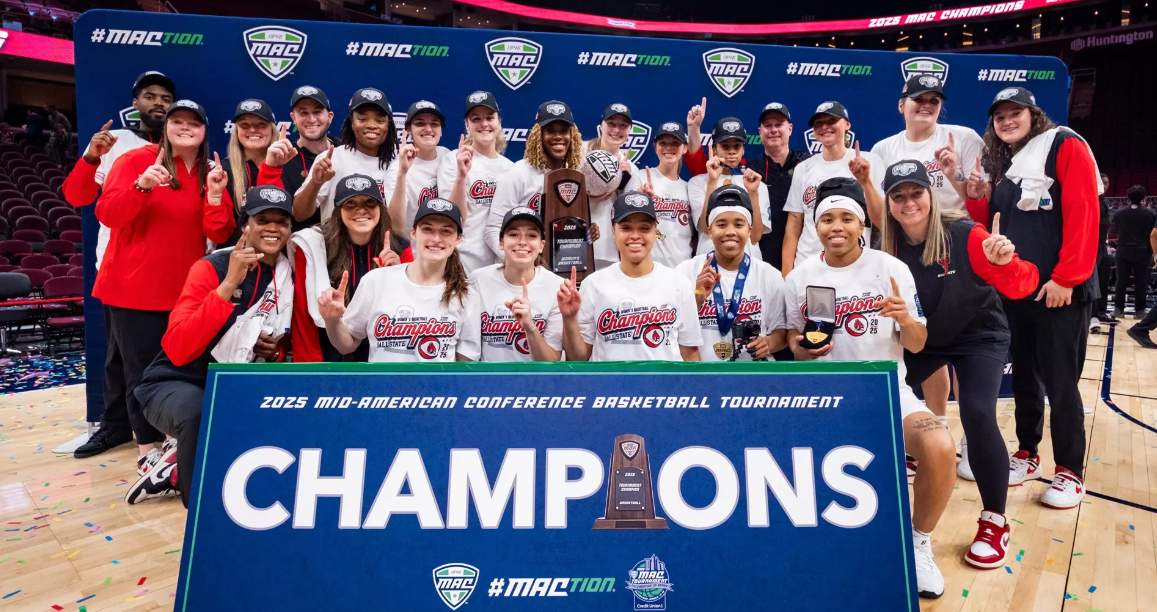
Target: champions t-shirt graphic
(421, 183)
(673, 208)
(637, 319)
(481, 184)
(406, 322)
(503, 338)
(762, 301)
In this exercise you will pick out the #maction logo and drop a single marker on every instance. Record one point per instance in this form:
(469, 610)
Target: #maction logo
(1089, 42)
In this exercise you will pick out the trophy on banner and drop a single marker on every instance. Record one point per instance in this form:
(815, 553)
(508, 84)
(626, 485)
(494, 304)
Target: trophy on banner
(630, 501)
(566, 213)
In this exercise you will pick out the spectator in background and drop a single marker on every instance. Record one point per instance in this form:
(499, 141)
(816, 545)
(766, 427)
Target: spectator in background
(1134, 256)
(34, 126)
(5, 133)
(58, 144)
(55, 118)
(1104, 268)
(1140, 331)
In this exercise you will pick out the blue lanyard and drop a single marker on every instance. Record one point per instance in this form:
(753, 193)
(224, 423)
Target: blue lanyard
(726, 311)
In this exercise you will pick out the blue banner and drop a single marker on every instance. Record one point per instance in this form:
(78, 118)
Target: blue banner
(413, 488)
(220, 61)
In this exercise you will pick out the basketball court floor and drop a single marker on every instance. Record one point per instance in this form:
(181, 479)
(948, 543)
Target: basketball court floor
(71, 543)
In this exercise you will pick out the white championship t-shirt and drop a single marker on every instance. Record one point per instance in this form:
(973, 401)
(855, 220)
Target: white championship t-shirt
(406, 322)
(762, 301)
(521, 185)
(968, 147)
(697, 194)
(347, 161)
(421, 184)
(675, 222)
(638, 319)
(861, 333)
(481, 183)
(801, 198)
(503, 338)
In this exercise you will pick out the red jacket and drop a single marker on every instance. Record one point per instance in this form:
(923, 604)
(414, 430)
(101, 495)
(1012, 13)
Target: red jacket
(80, 187)
(158, 235)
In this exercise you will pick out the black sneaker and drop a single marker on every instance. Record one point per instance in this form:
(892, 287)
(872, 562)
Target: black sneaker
(1106, 317)
(160, 481)
(104, 439)
(1142, 337)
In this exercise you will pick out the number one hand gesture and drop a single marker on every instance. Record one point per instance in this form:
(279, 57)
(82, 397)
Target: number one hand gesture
(998, 248)
(216, 181)
(101, 143)
(520, 308)
(894, 306)
(569, 300)
(331, 302)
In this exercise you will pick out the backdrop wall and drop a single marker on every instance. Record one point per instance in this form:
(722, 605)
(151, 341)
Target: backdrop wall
(219, 61)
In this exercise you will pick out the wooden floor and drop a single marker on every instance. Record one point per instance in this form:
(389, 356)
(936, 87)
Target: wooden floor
(71, 543)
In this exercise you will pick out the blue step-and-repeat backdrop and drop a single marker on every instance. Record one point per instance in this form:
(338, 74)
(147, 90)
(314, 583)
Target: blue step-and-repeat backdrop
(477, 487)
(220, 61)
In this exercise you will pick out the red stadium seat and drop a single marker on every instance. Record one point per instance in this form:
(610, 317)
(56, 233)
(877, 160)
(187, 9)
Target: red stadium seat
(15, 249)
(72, 236)
(55, 183)
(22, 172)
(16, 212)
(56, 214)
(23, 181)
(37, 187)
(10, 194)
(39, 157)
(76, 260)
(36, 276)
(47, 204)
(38, 261)
(67, 223)
(71, 326)
(41, 166)
(52, 173)
(32, 222)
(8, 268)
(62, 249)
(76, 271)
(42, 196)
(6, 206)
(36, 238)
(57, 270)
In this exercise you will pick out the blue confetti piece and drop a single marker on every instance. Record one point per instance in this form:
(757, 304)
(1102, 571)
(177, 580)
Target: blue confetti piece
(109, 538)
(44, 498)
(1056, 540)
(86, 598)
(1132, 528)
(89, 525)
(1092, 589)
(1018, 558)
(10, 594)
(1008, 569)
(1068, 596)
(115, 562)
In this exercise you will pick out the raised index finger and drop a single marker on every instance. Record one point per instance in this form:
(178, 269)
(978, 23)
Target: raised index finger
(160, 155)
(857, 148)
(951, 141)
(996, 224)
(284, 127)
(895, 287)
(461, 140)
(345, 276)
(216, 161)
(244, 241)
(525, 290)
(648, 174)
(106, 126)
(573, 275)
(978, 164)
(703, 105)
(707, 262)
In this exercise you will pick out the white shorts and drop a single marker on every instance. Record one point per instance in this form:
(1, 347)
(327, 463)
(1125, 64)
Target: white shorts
(909, 403)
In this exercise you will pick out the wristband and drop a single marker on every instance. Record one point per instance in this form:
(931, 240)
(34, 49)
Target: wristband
(137, 186)
(698, 291)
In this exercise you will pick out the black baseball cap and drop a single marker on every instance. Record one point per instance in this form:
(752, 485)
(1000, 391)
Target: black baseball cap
(424, 106)
(371, 96)
(920, 84)
(553, 110)
(521, 213)
(188, 105)
(729, 195)
(152, 77)
(617, 109)
(842, 186)
(672, 128)
(256, 107)
(481, 98)
(775, 107)
(441, 207)
(835, 109)
(266, 197)
(633, 202)
(906, 171)
(310, 92)
(1017, 95)
(356, 185)
(728, 128)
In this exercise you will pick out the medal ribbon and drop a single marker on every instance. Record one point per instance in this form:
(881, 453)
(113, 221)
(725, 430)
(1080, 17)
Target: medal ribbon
(726, 311)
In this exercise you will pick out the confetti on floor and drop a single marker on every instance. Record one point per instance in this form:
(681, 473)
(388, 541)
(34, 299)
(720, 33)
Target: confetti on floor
(142, 580)
(9, 595)
(1092, 589)
(40, 372)
(1008, 569)
(85, 599)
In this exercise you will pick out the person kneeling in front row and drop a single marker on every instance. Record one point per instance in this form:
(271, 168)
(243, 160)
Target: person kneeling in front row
(853, 271)
(235, 308)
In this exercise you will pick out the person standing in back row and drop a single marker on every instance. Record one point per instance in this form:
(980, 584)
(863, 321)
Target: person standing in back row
(311, 116)
(777, 165)
(1134, 257)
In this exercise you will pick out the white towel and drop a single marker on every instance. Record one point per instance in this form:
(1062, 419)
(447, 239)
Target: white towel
(1028, 171)
(271, 315)
(311, 242)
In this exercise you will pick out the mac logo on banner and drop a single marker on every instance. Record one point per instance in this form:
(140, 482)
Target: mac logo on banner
(815, 147)
(275, 49)
(514, 60)
(924, 66)
(729, 69)
(637, 140)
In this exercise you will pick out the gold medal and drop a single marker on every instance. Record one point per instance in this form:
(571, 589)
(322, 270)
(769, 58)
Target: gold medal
(723, 350)
(815, 337)
(727, 181)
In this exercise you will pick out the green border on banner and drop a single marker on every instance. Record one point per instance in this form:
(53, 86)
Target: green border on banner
(553, 368)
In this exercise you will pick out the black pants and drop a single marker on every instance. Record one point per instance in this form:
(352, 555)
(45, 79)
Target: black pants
(979, 377)
(134, 336)
(116, 413)
(174, 407)
(1104, 270)
(1149, 323)
(1048, 348)
(1136, 267)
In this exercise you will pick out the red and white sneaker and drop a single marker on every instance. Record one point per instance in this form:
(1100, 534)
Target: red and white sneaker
(911, 464)
(990, 546)
(160, 481)
(1022, 467)
(146, 463)
(1067, 490)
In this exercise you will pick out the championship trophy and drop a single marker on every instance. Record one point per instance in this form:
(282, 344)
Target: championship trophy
(566, 213)
(630, 501)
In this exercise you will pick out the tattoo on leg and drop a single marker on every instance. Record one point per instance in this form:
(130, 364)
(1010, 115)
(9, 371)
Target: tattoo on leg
(928, 424)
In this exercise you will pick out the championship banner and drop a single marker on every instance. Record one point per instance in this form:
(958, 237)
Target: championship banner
(219, 61)
(549, 486)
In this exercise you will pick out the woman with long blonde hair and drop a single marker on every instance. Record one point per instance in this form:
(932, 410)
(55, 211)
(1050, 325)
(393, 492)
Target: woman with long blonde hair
(251, 160)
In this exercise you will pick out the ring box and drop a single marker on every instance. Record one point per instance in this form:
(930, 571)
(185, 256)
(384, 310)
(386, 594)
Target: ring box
(821, 317)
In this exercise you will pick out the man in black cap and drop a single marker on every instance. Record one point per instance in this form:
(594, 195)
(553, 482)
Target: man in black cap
(777, 165)
(235, 308)
(153, 93)
(312, 117)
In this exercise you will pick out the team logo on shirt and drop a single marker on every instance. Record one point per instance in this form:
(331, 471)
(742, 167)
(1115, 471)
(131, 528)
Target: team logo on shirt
(500, 329)
(749, 308)
(855, 313)
(729, 69)
(275, 49)
(534, 202)
(482, 190)
(406, 332)
(629, 323)
(929, 66)
(815, 147)
(673, 209)
(430, 192)
(513, 59)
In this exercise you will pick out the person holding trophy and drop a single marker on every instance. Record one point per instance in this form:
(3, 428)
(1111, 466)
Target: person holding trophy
(739, 298)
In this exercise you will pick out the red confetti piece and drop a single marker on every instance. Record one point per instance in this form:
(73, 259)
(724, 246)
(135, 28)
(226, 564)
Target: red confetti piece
(142, 581)
(55, 607)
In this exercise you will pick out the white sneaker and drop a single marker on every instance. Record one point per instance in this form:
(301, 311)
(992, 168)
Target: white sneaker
(963, 470)
(910, 463)
(1021, 467)
(1067, 490)
(146, 463)
(929, 580)
(1095, 325)
(1088, 410)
